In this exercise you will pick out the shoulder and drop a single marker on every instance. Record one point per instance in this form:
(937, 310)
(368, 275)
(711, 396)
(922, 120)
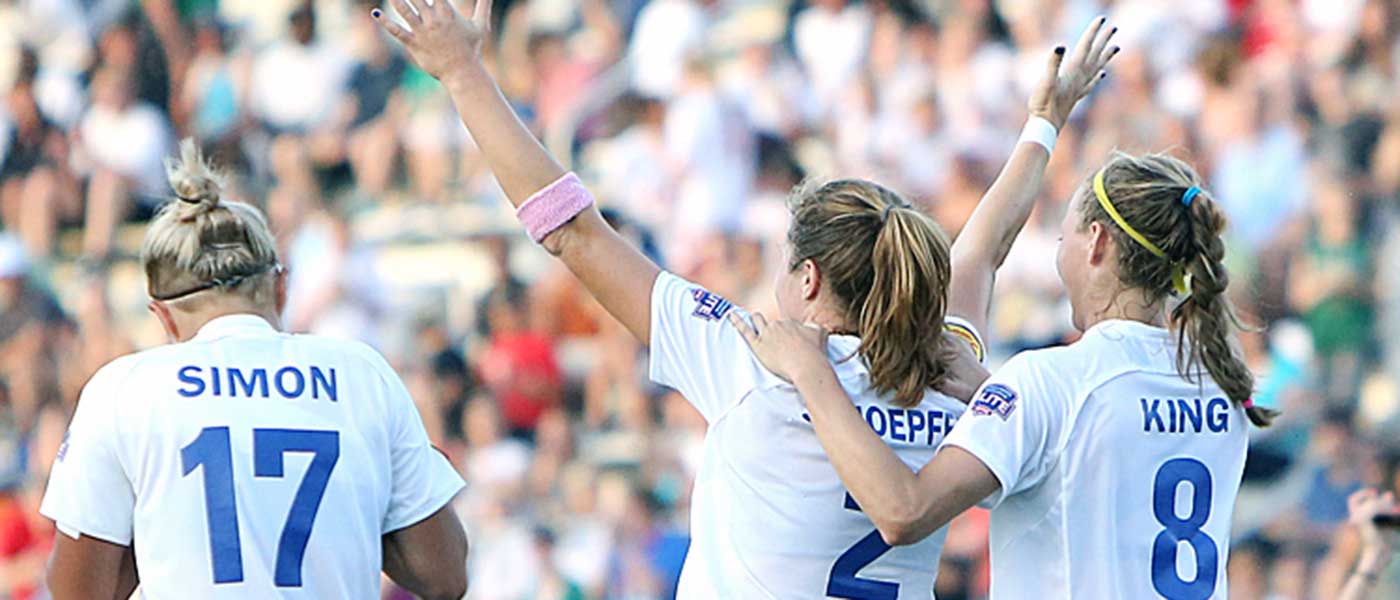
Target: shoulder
(108, 381)
(352, 352)
(1046, 374)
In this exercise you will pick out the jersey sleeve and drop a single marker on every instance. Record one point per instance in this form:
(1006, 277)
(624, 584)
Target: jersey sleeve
(423, 480)
(1011, 426)
(694, 350)
(89, 492)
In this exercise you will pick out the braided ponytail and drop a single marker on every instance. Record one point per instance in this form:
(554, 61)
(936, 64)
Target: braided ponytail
(1160, 197)
(1206, 321)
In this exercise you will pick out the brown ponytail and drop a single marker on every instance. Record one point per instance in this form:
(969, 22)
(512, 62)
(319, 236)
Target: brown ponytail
(888, 263)
(1148, 192)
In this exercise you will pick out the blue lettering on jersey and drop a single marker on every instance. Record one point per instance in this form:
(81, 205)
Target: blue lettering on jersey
(236, 381)
(905, 425)
(190, 376)
(1185, 415)
(996, 399)
(63, 448)
(298, 384)
(709, 305)
(288, 382)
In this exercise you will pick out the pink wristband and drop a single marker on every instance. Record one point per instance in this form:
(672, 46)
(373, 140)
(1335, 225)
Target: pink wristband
(552, 207)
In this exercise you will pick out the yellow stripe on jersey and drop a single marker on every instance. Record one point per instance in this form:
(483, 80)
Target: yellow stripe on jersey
(967, 334)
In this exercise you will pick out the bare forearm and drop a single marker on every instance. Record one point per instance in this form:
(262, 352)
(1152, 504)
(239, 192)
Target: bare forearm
(520, 163)
(982, 246)
(886, 488)
(1005, 207)
(615, 272)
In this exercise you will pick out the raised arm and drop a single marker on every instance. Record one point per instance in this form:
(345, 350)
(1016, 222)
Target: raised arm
(982, 246)
(448, 47)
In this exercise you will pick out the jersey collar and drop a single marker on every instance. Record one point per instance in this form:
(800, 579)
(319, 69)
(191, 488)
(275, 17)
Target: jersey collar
(228, 325)
(1117, 328)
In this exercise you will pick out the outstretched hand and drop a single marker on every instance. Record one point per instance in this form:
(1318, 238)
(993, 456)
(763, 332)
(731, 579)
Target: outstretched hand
(436, 36)
(1362, 508)
(786, 348)
(1065, 84)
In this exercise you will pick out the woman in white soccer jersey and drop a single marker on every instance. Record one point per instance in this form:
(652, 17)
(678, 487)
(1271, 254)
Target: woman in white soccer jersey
(769, 516)
(242, 462)
(1111, 465)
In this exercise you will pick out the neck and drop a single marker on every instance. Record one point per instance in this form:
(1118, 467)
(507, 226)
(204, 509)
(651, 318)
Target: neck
(1130, 305)
(830, 320)
(192, 322)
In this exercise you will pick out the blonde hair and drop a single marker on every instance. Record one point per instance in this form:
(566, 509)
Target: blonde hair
(888, 265)
(199, 242)
(1149, 193)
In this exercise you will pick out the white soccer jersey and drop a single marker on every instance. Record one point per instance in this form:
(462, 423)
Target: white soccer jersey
(1118, 477)
(769, 516)
(248, 463)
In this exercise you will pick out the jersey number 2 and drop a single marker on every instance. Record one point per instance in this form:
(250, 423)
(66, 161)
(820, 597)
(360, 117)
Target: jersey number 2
(1165, 578)
(213, 450)
(843, 582)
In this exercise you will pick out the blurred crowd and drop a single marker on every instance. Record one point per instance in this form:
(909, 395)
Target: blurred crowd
(691, 120)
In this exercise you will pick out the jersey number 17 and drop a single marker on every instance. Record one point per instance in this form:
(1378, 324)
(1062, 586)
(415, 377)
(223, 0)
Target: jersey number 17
(213, 451)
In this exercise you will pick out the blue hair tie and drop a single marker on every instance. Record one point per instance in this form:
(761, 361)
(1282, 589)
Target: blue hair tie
(1190, 195)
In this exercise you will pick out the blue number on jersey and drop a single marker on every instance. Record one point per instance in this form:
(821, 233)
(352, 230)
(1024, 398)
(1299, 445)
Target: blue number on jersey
(1165, 578)
(213, 450)
(269, 445)
(843, 582)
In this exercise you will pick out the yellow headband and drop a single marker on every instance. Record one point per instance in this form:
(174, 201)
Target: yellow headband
(1178, 269)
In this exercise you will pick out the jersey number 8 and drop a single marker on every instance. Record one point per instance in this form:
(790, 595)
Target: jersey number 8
(1165, 578)
(213, 451)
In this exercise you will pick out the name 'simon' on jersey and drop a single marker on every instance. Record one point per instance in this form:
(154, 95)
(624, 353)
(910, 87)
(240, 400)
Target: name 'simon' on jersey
(288, 382)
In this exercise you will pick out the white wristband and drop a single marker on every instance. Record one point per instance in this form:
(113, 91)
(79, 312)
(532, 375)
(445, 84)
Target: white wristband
(1040, 131)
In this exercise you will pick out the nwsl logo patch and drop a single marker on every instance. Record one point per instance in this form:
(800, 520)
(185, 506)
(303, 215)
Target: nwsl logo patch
(996, 399)
(709, 306)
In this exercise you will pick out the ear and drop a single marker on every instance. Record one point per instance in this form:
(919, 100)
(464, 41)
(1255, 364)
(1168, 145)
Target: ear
(811, 280)
(1099, 242)
(280, 290)
(167, 320)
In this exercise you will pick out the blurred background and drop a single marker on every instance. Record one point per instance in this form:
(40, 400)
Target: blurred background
(690, 119)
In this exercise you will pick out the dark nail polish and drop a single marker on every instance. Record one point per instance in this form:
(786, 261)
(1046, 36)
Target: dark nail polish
(1116, 49)
(1059, 49)
(374, 13)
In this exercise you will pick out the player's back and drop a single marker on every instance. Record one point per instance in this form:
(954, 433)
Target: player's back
(1134, 496)
(769, 515)
(772, 517)
(257, 464)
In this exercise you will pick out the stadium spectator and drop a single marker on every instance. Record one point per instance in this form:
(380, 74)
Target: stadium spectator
(125, 141)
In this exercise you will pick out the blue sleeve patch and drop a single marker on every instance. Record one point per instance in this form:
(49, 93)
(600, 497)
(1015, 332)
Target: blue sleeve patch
(996, 399)
(709, 305)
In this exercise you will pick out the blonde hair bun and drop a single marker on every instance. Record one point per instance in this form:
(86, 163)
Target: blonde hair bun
(197, 186)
